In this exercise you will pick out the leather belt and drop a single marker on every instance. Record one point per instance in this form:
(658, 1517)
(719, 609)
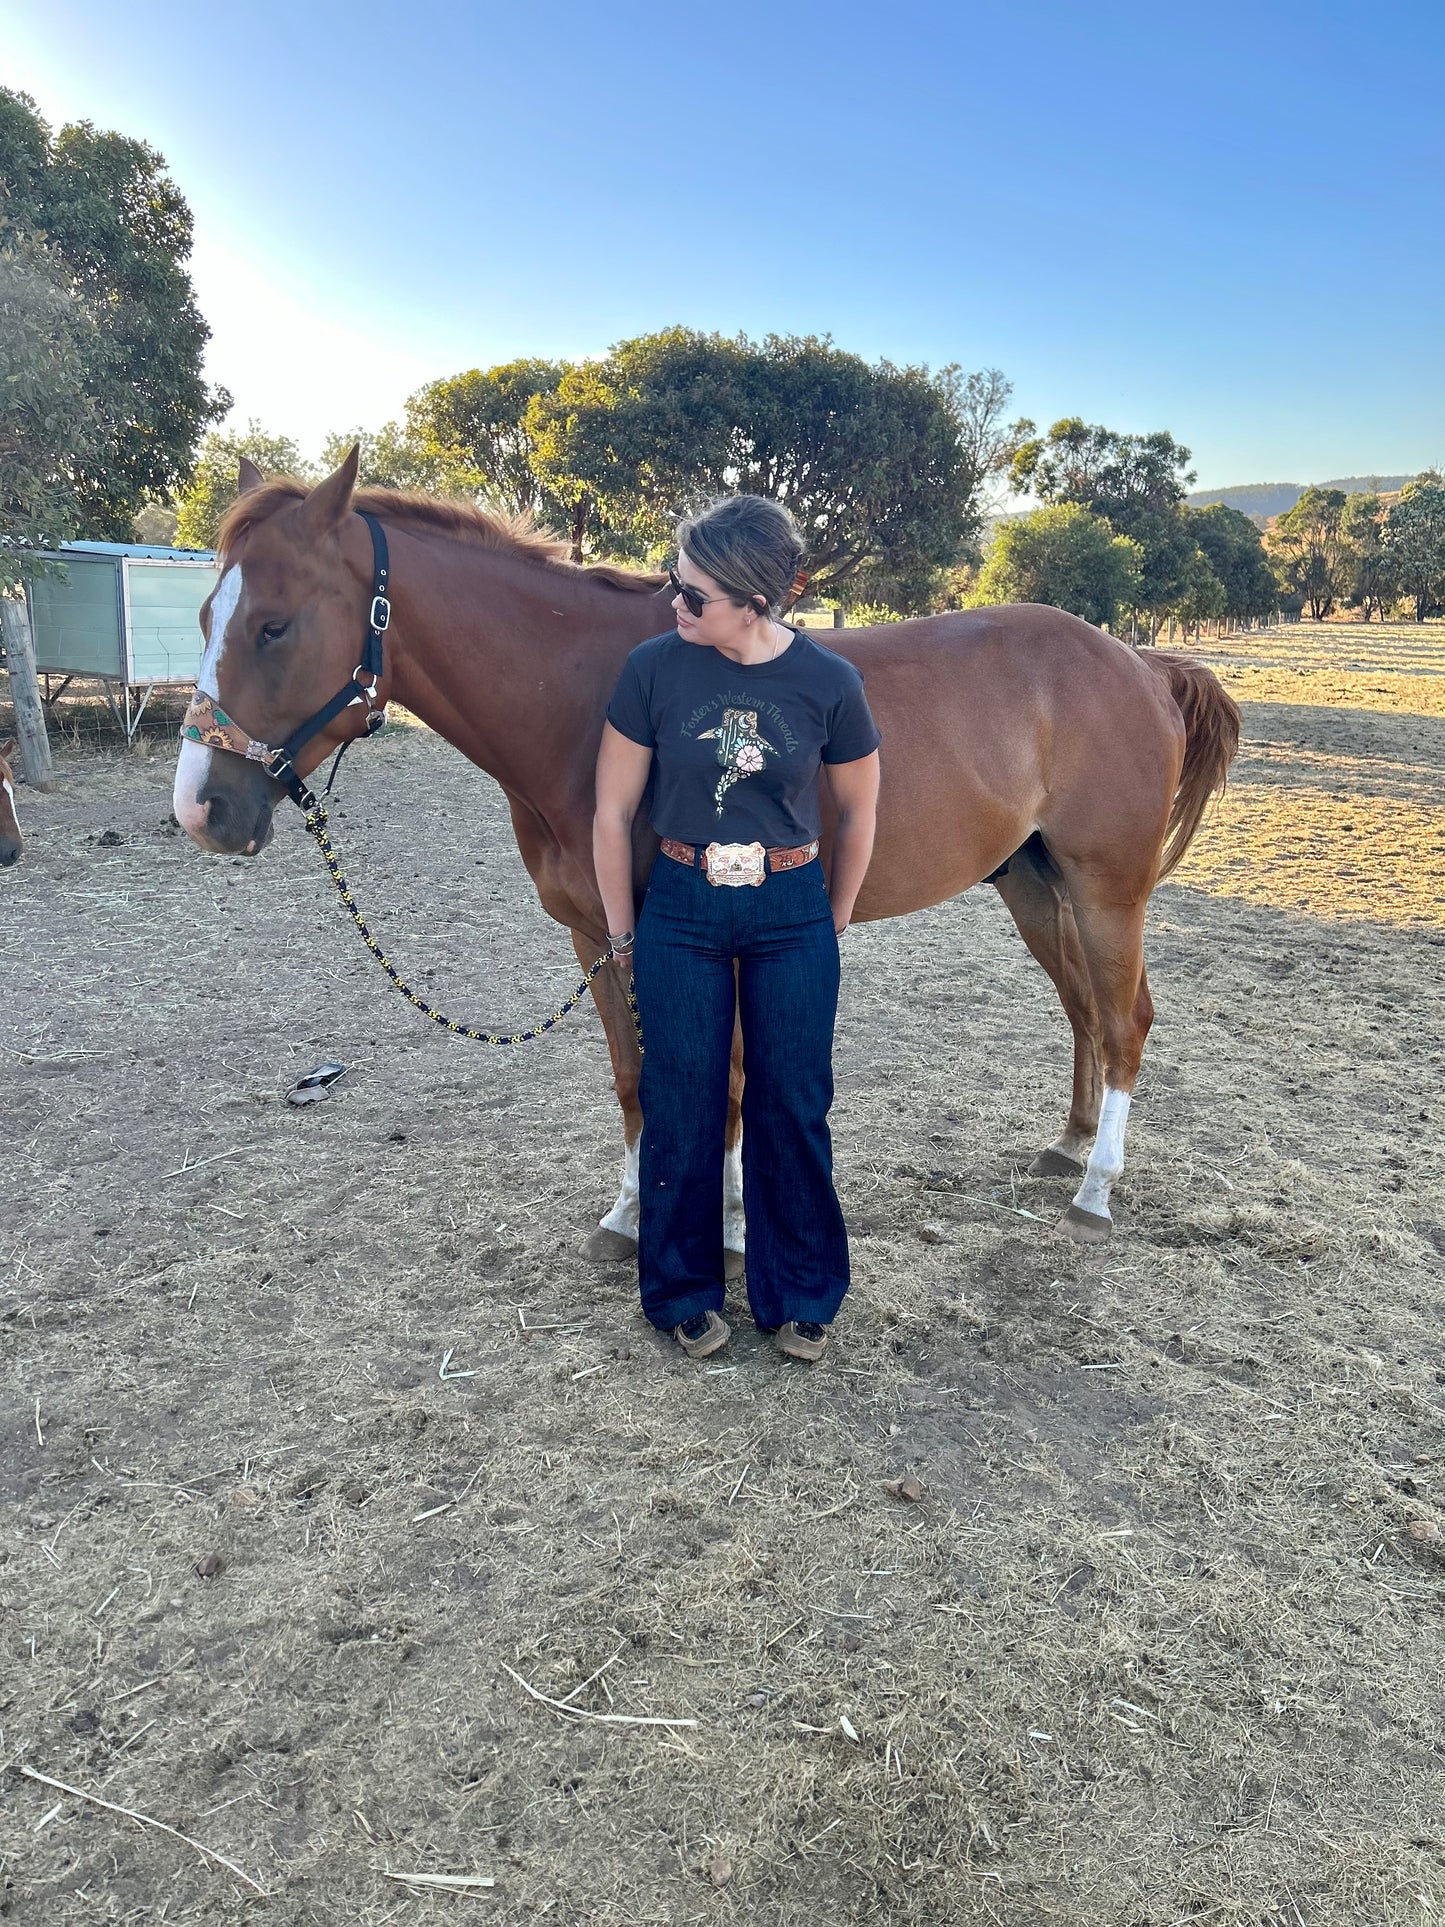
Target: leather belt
(738, 863)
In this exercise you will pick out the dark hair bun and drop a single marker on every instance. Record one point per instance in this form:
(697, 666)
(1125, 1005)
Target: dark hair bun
(749, 545)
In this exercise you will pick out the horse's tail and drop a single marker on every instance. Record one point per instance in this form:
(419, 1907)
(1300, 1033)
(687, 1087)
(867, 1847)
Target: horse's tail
(1211, 737)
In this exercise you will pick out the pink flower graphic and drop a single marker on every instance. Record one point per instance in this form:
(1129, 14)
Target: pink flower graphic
(749, 759)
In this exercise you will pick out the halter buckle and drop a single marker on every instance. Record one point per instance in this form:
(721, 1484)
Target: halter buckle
(380, 613)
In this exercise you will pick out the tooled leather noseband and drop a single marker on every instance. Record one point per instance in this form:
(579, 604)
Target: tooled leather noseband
(205, 722)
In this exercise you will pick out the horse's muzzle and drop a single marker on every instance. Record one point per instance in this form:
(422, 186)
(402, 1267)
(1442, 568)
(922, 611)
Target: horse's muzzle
(237, 812)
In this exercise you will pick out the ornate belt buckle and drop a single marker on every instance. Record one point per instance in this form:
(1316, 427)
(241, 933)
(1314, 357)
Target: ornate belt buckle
(735, 863)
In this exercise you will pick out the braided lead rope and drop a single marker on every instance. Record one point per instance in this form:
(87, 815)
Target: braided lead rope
(316, 823)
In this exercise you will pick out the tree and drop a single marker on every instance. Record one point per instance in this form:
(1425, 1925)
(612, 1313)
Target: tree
(472, 434)
(1065, 556)
(1234, 550)
(1136, 482)
(1309, 550)
(46, 417)
(1200, 593)
(1414, 540)
(883, 467)
(1372, 583)
(213, 486)
(118, 233)
(389, 457)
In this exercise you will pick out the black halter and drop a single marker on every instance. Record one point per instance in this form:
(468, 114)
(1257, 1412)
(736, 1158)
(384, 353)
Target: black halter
(363, 687)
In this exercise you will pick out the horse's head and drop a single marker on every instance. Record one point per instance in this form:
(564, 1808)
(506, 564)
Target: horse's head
(9, 822)
(283, 628)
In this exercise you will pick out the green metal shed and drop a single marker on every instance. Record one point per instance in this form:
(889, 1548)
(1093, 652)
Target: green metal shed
(125, 613)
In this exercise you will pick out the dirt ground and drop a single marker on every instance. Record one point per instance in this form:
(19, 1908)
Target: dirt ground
(1159, 1642)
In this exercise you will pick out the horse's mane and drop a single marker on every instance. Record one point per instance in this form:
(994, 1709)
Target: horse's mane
(516, 535)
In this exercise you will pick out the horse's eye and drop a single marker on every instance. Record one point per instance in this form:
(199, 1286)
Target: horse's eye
(273, 631)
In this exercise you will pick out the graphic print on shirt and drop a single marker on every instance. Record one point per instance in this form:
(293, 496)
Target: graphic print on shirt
(739, 749)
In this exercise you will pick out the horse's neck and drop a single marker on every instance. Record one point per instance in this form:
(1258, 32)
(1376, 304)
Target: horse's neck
(513, 663)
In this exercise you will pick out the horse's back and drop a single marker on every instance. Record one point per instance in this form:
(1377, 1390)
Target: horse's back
(997, 722)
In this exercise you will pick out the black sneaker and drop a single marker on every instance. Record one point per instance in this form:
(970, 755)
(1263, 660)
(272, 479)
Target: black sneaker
(700, 1337)
(801, 1338)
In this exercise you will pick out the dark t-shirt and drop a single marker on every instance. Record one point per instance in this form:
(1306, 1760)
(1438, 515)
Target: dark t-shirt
(738, 748)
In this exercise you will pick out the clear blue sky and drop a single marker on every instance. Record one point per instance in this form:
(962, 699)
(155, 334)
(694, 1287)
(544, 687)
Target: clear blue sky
(1225, 220)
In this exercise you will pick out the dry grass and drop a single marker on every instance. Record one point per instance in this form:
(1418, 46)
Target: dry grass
(1155, 1644)
(1336, 807)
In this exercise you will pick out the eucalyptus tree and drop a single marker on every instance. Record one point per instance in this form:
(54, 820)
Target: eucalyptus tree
(116, 235)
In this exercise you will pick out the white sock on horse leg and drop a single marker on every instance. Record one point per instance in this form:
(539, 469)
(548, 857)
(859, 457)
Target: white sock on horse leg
(1106, 1160)
(735, 1230)
(623, 1217)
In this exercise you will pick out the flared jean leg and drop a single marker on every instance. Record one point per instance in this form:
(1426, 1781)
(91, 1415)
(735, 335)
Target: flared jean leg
(797, 1260)
(686, 999)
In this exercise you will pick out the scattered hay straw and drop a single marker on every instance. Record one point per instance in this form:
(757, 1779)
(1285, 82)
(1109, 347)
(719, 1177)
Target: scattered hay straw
(145, 1820)
(581, 1713)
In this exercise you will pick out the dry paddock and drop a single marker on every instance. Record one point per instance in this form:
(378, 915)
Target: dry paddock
(350, 1525)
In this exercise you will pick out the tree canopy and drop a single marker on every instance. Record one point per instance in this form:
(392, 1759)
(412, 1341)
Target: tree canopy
(883, 467)
(1414, 541)
(1135, 482)
(1230, 543)
(116, 233)
(1310, 552)
(213, 486)
(46, 416)
(1373, 580)
(1065, 556)
(471, 434)
(389, 458)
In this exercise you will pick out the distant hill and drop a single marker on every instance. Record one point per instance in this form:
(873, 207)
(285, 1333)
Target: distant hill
(1263, 499)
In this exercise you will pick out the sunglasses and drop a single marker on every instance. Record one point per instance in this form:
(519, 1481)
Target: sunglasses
(693, 599)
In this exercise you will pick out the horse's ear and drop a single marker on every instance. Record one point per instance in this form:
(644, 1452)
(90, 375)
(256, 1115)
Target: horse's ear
(328, 504)
(251, 476)
(9, 747)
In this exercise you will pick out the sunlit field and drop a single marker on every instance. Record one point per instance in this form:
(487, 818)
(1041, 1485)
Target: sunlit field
(1336, 805)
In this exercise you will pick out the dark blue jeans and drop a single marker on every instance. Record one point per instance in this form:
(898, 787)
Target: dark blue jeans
(781, 933)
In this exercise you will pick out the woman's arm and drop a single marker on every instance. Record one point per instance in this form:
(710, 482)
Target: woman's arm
(854, 789)
(622, 771)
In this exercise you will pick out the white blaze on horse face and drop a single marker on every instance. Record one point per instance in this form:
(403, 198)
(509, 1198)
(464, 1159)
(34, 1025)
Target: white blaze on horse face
(1106, 1160)
(194, 763)
(735, 1228)
(223, 607)
(9, 789)
(624, 1215)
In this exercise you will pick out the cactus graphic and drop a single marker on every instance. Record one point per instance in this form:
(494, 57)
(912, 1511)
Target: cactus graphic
(739, 749)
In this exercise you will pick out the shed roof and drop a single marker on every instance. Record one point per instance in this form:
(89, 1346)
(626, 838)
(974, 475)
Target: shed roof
(145, 550)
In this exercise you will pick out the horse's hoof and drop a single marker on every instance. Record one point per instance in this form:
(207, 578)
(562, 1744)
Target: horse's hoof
(606, 1247)
(734, 1265)
(1086, 1227)
(1051, 1162)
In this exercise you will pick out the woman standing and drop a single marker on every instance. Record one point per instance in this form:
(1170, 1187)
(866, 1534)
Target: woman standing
(726, 723)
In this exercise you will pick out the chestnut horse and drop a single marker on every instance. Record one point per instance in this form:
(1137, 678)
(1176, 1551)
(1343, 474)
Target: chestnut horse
(9, 821)
(1020, 746)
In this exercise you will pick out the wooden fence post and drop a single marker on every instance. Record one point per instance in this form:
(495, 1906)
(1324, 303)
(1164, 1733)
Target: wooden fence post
(25, 692)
